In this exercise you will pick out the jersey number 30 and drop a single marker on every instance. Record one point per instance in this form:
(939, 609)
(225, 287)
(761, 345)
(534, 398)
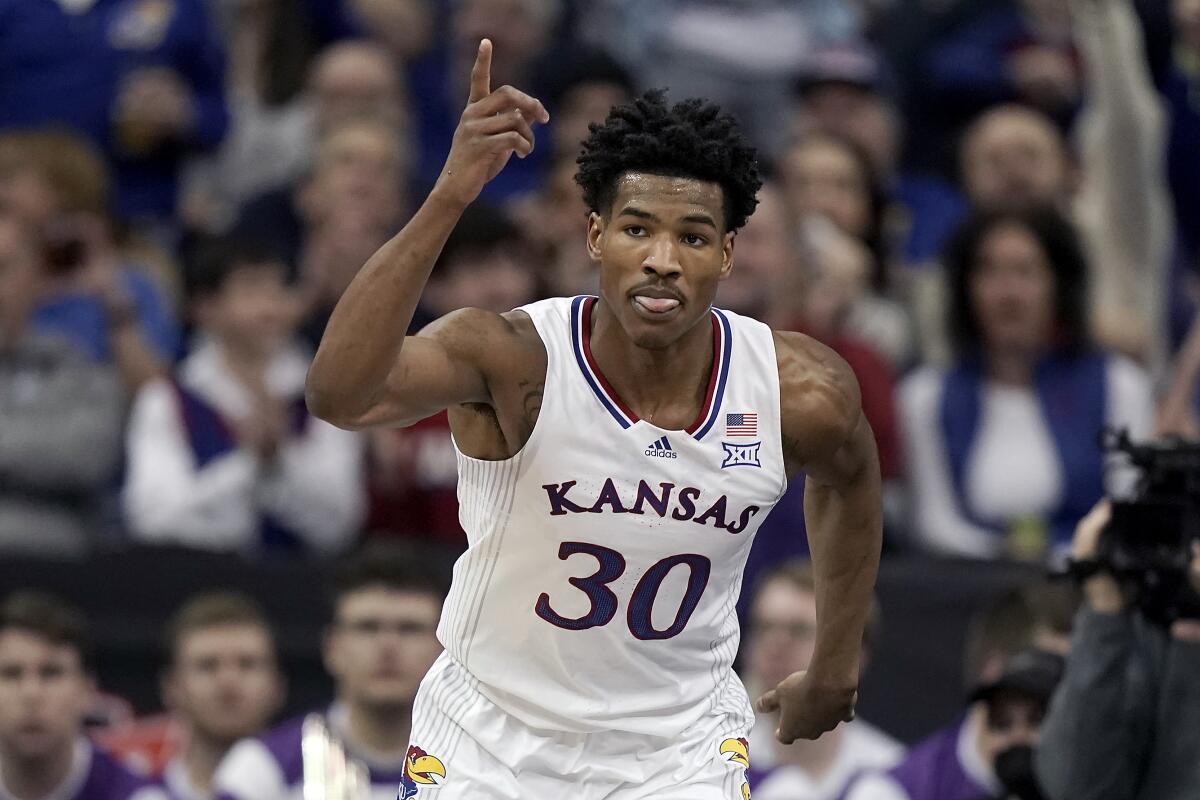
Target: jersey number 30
(641, 602)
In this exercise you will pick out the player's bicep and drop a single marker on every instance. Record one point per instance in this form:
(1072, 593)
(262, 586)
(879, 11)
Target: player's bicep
(444, 365)
(852, 458)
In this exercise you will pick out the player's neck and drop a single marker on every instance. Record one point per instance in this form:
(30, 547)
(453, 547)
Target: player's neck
(814, 757)
(201, 756)
(378, 732)
(35, 778)
(666, 387)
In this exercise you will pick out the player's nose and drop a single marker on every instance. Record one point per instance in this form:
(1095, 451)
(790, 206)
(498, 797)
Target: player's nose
(661, 258)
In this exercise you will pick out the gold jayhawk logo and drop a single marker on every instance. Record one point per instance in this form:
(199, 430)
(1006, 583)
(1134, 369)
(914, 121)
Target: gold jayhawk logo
(736, 751)
(420, 769)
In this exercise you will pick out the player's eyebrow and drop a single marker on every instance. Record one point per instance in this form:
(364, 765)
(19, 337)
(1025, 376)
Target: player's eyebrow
(634, 211)
(701, 219)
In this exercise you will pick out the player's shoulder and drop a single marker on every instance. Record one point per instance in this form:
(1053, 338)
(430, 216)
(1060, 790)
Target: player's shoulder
(813, 378)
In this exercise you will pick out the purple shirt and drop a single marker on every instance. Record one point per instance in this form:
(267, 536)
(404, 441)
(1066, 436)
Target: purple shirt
(271, 766)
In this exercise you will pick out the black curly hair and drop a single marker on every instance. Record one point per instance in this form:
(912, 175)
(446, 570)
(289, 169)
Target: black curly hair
(692, 139)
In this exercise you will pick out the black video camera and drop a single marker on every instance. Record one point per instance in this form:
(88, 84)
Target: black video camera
(1147, 544)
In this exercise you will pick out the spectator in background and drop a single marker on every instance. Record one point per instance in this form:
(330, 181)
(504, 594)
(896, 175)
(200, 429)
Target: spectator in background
(1001, 766)
(555, 220)
(1003, 448)
(1182, 94)
(781, 636)
(60, 414)
(224, 455)
(414, 477)
(143, 80)
(740, 54)
(583, 91)
(46, 688)
(522, 37)
(222, 684)
(1017, 640)
(839, 208)
(117, 312)
(843, 92)
(272, 142)
(333, 221)
(1179, 411)
(378, 647)
(1021, 51)
(1114, 190)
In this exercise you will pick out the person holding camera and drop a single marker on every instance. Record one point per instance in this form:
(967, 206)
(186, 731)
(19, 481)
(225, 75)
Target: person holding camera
(1125, 721)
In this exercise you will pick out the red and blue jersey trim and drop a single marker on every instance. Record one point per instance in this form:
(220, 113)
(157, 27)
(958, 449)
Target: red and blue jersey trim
(581, 338)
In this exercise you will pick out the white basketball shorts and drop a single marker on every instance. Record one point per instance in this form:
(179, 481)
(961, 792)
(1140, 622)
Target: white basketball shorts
(463, 747)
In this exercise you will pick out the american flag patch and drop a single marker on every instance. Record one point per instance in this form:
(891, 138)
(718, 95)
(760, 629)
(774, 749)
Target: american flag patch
(741, 424)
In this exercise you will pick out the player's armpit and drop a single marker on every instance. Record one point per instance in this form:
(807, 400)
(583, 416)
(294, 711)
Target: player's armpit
(454, 360)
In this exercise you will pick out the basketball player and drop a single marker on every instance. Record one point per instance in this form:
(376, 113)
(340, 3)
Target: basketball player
(616, 454)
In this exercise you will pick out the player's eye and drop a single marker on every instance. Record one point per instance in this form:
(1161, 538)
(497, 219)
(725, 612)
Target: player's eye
(694, 240)
(635, 230)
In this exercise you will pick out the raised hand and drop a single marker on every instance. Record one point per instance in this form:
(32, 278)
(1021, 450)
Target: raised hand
(494, 126)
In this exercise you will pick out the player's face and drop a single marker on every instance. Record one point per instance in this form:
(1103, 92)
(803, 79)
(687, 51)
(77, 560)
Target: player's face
(44, 695)
(255, 310)
(1014, 160)
(783, 632)
(381, 645)
(225, 682)
(662, 250)
(1012, 291)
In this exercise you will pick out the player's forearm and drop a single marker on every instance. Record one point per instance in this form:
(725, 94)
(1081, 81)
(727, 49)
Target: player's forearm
(845, 532)
(367, 328)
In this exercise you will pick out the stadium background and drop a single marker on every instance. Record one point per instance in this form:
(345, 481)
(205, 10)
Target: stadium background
(276, 125)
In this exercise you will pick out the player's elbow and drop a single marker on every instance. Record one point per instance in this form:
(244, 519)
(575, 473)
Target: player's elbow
(329, 405)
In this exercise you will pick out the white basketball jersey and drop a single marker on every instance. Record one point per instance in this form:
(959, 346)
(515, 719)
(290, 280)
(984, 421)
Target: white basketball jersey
(605, 558)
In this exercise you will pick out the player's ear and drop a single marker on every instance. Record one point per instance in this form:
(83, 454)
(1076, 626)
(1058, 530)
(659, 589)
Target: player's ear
(727, 254)
(595, 230)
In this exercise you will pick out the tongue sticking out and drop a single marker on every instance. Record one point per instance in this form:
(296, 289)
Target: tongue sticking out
(658, 305)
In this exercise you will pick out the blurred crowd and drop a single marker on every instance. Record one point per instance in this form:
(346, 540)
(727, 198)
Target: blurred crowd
(989, 208)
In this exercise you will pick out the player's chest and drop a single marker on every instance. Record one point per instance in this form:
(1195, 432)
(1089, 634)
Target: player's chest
(645, 477)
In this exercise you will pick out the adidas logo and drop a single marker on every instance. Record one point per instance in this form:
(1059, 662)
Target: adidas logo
(661, 448)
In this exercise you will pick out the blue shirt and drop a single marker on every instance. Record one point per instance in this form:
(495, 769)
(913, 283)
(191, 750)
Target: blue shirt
(81, 318)
(62, 68)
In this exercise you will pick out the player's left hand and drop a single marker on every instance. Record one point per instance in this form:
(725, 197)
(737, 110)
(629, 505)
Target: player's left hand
(806, 708)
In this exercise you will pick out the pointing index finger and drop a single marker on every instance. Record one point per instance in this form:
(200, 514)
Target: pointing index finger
(481, 73)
